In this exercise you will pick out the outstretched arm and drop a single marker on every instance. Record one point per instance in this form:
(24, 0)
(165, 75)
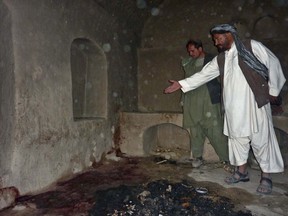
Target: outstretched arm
(174, 86)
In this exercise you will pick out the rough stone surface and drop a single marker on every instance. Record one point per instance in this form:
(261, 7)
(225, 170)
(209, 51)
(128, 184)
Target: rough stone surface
(8, 197)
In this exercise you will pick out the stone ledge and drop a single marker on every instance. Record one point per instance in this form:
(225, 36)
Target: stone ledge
(134, 126)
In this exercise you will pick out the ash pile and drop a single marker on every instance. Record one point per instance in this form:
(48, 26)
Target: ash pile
(161, 198)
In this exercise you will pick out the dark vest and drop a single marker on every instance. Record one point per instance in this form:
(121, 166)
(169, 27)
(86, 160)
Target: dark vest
(214, 87)
(257, 83)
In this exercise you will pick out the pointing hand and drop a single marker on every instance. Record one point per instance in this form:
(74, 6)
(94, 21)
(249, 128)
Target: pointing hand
(173, 87)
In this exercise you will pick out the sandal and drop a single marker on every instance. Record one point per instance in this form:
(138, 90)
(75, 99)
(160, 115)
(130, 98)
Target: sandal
(237, 177)
(265, 186)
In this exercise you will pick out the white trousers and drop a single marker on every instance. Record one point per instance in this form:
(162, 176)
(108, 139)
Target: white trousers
(264, 145)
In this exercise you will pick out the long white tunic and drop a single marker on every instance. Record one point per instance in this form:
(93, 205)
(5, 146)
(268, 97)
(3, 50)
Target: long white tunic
(242, 116)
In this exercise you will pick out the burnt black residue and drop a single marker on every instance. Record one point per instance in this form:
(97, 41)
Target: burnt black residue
(162, 198)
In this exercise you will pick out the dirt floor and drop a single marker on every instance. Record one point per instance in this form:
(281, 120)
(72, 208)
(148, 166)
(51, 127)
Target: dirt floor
(82, 194)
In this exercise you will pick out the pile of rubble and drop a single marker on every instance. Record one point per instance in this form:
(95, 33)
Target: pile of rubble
(162, 198)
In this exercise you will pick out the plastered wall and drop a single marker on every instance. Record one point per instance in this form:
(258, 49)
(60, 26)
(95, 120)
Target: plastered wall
(40, 139)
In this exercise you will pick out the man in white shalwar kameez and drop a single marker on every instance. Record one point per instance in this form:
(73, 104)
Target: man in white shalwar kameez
(245, 122)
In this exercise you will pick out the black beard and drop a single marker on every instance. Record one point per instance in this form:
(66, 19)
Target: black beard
(221, 49)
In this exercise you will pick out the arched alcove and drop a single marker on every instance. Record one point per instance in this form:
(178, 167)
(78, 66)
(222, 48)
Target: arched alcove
(166, 138)
(266, 22)
(89, 80)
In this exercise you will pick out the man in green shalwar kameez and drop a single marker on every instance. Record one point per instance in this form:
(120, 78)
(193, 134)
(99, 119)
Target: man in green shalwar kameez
(201, 109)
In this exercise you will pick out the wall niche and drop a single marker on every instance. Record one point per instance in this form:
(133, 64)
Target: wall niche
(89, 80)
